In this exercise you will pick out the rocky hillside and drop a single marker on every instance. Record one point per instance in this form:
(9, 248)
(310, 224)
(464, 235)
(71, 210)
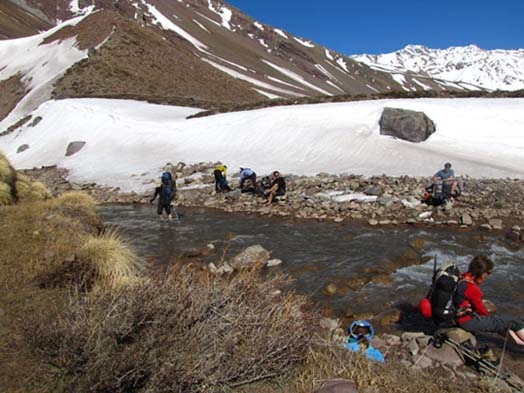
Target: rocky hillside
(187, 52)
(489, 69)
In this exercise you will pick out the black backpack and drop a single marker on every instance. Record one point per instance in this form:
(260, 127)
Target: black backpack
(442, 293)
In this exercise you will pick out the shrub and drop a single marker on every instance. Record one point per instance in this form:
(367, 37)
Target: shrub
(111, 258)
(6, 197)
(28, 191)
(187, 331)
(76, 199)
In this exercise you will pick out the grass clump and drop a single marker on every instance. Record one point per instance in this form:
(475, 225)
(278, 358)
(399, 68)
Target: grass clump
(112, 260)
(28, 191)
(185, 331)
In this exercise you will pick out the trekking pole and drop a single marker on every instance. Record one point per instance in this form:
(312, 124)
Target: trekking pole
(482, 365)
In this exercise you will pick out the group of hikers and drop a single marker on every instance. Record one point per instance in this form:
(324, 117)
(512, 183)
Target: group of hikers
(269, 186)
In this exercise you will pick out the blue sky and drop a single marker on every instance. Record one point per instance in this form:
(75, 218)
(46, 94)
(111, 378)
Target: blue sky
(380, 26)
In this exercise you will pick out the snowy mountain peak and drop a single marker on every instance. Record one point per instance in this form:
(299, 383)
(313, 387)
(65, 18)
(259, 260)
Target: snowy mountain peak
(490, 69)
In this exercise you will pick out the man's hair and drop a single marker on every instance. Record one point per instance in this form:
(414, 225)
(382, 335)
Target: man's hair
(447, 165)
(479, 265)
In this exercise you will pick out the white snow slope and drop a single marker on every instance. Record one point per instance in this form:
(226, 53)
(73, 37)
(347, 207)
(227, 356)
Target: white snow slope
(127, 142)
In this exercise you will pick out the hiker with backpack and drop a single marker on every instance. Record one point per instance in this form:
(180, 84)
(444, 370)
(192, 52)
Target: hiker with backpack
(220, 179)
(166, 192)
(471, 314)
(456, 300)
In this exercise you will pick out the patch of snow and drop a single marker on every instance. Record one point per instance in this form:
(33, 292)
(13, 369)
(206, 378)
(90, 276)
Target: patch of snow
(342, 63)
(284, 83)
(329, 55)
(296, 77)
(209, 19)
(482, 137)
(280, 33)
(372, 88)
(167, 24)
(425, 87)
(263, 43)
(325, 72)
(336, 87)
(305, 43)
(249, 79)
(268, 95)
(259, 26)
(400, 79)
(200, 25)
(224, 13)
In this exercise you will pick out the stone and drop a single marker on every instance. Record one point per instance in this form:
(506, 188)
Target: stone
(330, 289)
(496, 223)
(373, 190)
(373, 222)
(22, 148)
(74, 147)
(410, 336)
(466, 219)
(391, 339)
(412, 347)
(406, 124)
(486, 227)
(337, 386)
(250, 257)
(445, 355)
(421, 362)
(274, 262)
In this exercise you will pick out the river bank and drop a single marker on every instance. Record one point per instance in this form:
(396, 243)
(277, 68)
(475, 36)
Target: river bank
(490, 204)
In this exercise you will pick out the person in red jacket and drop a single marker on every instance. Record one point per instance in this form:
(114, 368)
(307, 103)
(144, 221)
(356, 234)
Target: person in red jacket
(472, 314)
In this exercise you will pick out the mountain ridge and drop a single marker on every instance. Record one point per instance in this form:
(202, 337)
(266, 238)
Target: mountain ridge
(497, 69)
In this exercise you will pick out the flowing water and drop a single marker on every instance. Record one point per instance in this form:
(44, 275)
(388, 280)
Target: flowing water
(316, 254)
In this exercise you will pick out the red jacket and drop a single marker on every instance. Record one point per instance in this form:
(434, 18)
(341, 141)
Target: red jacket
(472, 299)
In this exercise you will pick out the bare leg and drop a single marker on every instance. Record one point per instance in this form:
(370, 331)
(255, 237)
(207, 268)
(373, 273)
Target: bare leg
(517, 336)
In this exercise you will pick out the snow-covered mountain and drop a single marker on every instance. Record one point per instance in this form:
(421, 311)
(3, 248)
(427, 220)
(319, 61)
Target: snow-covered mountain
(491, 69)
(200, 53)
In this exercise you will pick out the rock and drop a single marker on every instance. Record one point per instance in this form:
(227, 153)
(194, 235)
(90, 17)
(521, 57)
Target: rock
(513, 236)
(466, 219)
(424, 341)
(410, 336)
(422, 362)
(373, 222)
(391, 339)
(337, 386)
(330, 289)
(250, 257)
(412, 347)
(74, 147)
(373, 190)
(405, 124)
(273, 262)
(496, 223)
(486, 227)
(389, 317)
(445, 355)
(22, 148)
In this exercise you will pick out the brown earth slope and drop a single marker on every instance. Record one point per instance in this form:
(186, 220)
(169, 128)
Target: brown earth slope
(15, 22)
(138, 62)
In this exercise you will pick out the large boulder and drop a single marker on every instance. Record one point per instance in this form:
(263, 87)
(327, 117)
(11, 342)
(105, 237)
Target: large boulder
(405, 124)
(337, 385)
(251, 256)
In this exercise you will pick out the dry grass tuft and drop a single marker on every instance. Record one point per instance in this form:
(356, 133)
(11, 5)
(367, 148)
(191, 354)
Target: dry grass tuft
(6, 196)
(329, 362)
(111, 257)
(28, 191)
(77, 199)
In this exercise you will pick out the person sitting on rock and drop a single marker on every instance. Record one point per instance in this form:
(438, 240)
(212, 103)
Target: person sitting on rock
(360, 336)
(472, 314)
(248, 180)
(220, 179)
(277, 188)
(447, 175)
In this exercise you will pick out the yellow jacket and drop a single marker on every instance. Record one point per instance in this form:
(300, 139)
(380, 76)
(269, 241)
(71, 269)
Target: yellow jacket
(222, 168)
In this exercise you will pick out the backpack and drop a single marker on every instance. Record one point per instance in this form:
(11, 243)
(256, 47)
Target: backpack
(167, 179)
(440, 298)
(167, 194)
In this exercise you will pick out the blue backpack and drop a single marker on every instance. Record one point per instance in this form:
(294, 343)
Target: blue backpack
(167, 179)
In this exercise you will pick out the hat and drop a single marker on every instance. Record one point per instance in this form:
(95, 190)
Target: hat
(353, 330)
(447, 165)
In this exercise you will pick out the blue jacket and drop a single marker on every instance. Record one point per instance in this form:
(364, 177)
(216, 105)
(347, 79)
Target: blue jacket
(371, 352)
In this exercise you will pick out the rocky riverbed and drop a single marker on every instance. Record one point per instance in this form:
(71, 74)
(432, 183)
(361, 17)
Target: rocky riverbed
(492, 204)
